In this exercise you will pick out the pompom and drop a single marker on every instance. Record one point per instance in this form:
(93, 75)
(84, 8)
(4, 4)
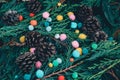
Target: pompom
(63, 37)
(72, 17)
(38, 64)
(59, 17)
(73, 25)
(82, 36)
(46, 15)
(33, 22)
(75, 44)
(39, 73)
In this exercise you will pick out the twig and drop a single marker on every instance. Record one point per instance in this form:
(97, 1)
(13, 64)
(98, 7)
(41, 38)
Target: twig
(111, 72)
(14, 43)
(62, 1)
(63, 71)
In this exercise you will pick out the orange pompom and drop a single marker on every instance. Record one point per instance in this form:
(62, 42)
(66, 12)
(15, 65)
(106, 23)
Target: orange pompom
(32, 14)
(71, 59)
(61, 78)
(20, 17)
(33, 22)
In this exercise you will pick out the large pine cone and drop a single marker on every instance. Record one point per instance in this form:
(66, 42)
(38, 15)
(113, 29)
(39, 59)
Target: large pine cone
(11, 17)
(44, 51)
(83, 12)
(99, 36)
(43, 48)
(34, 39)
(91, 25)
(34, 6)
(26, 61)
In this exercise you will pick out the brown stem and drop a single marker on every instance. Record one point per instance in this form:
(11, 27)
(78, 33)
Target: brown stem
(111, 72)
(12, 43)
(63, 71)
(62, 1)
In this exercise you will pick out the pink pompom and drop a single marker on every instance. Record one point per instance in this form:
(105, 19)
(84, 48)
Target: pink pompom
(63, 37)
(45, 15)
(72, 17)
(38, 64)
(32, 50)
(75, 44)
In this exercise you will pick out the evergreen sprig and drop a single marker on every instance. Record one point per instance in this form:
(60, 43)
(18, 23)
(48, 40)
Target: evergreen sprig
(93, 66)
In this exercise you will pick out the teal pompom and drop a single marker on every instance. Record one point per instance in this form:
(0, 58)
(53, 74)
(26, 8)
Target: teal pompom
(75, 75)
(73, 25)
(76, 54)
(27, 76)
(55, 63)
(39, 73)
(49, 19)
(94, 45)
(85, 51)
(79, 25)
(46, 24)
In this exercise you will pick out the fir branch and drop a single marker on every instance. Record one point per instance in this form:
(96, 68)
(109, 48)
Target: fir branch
(103, 71)
(64, 70)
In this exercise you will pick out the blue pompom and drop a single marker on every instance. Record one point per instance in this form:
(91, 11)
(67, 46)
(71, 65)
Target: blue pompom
(27, 76)
(39, 73)
(49, 19)
(79, 25)
(76, 54)
(110, 39)
(46, 24)
(73, 25)
(31, 28)
(85, 51)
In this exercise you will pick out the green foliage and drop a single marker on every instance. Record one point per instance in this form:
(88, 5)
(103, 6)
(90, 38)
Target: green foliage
(89, 67)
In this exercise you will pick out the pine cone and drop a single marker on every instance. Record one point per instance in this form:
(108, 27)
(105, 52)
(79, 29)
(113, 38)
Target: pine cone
(99, 36)
(11, 17)
(34, 39)
(91, 25)
(83, 12)
(44, 51)
(26, 61)
(34, 6)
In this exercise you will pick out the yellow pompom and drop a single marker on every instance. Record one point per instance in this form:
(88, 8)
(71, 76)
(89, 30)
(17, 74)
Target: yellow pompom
(59, 17)
(59, 4)
(22, 39)
(70, 13)
(50, 65)
(82, 36)
(80, 50)
(77, 31)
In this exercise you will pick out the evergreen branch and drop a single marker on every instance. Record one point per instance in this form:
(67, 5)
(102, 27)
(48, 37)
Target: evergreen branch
(103, 71)
(58, 41)
(64, 70)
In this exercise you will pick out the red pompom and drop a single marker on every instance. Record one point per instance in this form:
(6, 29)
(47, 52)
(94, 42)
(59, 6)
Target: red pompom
(61, 77)
(20, 17)
(32, 14)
